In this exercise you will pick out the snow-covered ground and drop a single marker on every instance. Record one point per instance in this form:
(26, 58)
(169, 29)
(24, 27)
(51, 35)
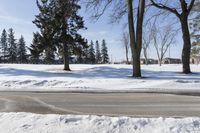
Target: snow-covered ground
(95, 77)
(34, 123)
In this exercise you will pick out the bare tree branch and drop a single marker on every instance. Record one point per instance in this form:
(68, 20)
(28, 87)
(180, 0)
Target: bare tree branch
(162, 6)
(191, 5)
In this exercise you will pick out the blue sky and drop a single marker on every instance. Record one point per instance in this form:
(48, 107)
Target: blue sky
(19, 15)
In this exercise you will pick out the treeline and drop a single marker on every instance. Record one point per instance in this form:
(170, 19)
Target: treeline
(11, 49)
(97, 55)
(14, 50)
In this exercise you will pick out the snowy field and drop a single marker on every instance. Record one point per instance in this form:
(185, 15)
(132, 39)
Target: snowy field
(34, 123)
(96, 78)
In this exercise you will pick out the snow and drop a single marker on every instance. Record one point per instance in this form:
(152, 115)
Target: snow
(36, 123)
(18, 77)
(21, 77)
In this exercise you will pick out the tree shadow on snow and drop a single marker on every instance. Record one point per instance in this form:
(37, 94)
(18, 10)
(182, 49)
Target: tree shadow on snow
(101, 72)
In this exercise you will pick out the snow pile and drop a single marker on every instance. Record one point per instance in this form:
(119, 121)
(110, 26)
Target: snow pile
(95, 77)
(34, 123)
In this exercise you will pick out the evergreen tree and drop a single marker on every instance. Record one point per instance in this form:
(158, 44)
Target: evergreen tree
(35, 48)
(44, 21)
(59, 23)
(4, 45)
(12, 47)
(49, 55)
(21, 52)
(104, 53)
(86, 53)
(91, 53)
(98, 53)
(195, 34)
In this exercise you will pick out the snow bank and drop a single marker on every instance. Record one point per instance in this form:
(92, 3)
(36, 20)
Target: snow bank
(95, 77)
(34, 123)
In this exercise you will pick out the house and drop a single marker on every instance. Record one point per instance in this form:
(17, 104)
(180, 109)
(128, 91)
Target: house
(149, 61)
(171, 61)
(195, 59)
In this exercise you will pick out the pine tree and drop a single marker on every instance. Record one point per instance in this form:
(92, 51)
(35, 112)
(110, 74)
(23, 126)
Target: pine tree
(35, 48)
(44, 21)
(104, 52)
(21, 51)
(4, 45)
(98, 53)
(12, 47)
(59, 23)
(49, 55)
(86, 53)
(91, 53)
(195, 34)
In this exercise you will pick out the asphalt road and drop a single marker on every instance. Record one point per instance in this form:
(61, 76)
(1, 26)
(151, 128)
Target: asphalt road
(112, 104)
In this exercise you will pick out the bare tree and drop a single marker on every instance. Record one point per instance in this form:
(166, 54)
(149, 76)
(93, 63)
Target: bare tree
(135, 25)
(125, 42)
(147, 39)
(162, 39)
(181, 11)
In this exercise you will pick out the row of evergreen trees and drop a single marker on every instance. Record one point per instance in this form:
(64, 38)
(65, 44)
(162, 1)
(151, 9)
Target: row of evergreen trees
(97, 55)
(12, 50)
(15, 51)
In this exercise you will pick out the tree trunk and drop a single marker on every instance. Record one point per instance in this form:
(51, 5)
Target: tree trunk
(127, 60)
(66, 58)
(145, 56)
(186, 45)
(136, 63)
(136, 37)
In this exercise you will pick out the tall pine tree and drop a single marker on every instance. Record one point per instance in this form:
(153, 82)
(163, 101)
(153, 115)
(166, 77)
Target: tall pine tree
(91, 53)
(104, 53)
(44, 21)
(4, 45)
(98, 53)
(12, 47)
(21, 51)
(59, 23)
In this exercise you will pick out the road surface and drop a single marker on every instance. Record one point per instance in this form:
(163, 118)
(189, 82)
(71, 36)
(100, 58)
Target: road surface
(112, 104)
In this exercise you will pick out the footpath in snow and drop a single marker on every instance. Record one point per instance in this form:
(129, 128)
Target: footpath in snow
(96, 78)
(34, 123)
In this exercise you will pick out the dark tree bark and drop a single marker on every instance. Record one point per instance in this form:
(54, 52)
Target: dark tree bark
(183, 17)
(66, 57)
(136, 37)
(65, 40)
(186, 45)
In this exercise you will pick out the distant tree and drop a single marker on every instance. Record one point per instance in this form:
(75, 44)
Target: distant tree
(125, 42)
(86, 53)
(195, 34)
(12, 47)
(92, 53)
(104, 53)
(21, 51)
(98, 53)
(147, 39)
(4, 45)
(162, 39)
(35, 49)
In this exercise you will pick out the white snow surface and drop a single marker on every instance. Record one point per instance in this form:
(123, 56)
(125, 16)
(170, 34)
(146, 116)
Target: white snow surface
(35, 123)
(96, 78)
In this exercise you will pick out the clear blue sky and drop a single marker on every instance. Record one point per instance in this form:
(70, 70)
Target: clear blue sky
(19, 15)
